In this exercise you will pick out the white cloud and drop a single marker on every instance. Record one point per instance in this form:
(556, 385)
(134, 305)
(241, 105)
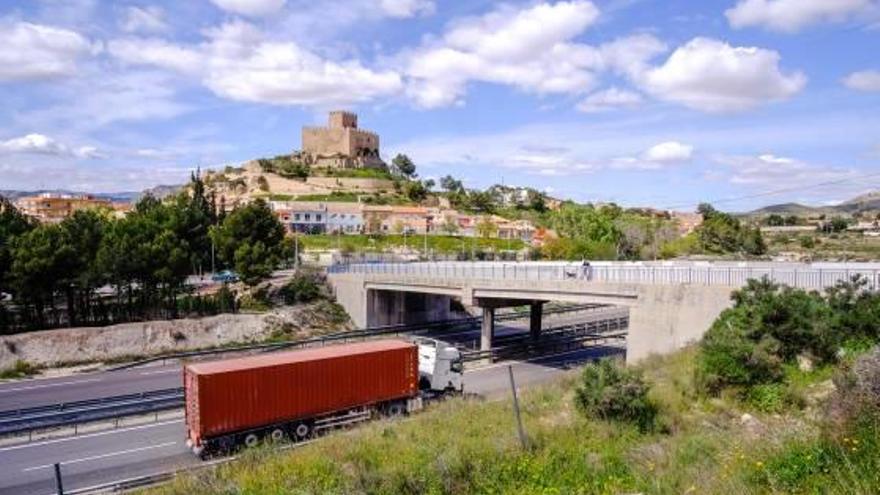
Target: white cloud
(34, 51)
(251, 8)
(657, 157)
(143, 19)
(407, 8)
(609, 99)
(530, 49)
(867, 80)
(711, 75)
(669, 152)
(629, 55)
(44, 145)
(238, 63)
(792, 15)
(777, 171)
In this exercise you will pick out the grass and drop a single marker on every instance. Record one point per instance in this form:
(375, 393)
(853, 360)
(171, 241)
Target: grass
(20, 369)
(469, 446)
(436, 243)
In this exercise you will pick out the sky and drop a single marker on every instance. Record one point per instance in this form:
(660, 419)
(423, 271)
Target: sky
(662, 103)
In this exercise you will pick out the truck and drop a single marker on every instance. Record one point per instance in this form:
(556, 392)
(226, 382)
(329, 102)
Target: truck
(294, 395)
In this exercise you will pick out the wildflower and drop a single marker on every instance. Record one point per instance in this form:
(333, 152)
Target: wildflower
(759, 464)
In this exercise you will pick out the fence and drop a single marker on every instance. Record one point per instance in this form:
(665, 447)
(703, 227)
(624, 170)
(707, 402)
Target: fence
(733, 275)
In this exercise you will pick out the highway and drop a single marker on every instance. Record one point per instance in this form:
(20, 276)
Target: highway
(113, 455)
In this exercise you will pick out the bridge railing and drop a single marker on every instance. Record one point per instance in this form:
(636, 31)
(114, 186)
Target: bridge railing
(805, 277)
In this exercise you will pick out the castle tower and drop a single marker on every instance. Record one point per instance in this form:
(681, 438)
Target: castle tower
(343, 119)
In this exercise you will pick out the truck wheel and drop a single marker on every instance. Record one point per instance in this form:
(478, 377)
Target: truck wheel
(277, 435)
(395, 409)
(251, 440)
(302, 431)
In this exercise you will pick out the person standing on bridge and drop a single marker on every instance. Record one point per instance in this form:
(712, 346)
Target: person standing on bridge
(586, 270)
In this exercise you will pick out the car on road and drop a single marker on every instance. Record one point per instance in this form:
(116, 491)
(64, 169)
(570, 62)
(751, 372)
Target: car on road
(225, 276)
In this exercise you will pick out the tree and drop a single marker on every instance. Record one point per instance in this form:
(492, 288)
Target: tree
(13, 223)
(449, 225)
(415, 190)
(482, 201)
(402, 165)
(722, 233)
(41, 259)
(450, 184)
(256, 227)
(775, 220)
(83, 233)
(486, 228)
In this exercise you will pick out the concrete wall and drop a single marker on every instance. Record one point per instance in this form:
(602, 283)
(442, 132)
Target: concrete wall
(667, 318)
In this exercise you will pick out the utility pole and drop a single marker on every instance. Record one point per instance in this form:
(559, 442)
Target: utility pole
(519, 425)
(58, 483)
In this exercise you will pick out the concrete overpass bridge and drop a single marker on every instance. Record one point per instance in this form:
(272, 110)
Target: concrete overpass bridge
(670, 303)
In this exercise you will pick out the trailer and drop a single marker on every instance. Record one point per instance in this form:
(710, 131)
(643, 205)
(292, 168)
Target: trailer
(294, 395)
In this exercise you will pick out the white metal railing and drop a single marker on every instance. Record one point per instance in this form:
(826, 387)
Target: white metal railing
(730, 274)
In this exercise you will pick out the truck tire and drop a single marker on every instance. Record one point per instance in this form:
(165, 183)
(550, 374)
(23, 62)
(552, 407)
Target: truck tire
(251, 440)
(302, 431)
(395, 409)
(276, 435)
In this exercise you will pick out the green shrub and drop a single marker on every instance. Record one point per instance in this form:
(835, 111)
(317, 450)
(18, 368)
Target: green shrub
(609, 391)
(302, 288)
(20, 369)
(768, 326)
(771, 397)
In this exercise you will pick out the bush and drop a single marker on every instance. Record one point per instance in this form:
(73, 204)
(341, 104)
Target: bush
(857, 390)
(768, 326)
(21, 369)
(302, 288)
(609, 391)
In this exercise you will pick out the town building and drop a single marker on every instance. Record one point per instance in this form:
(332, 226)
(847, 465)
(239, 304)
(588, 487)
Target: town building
(53, 208)
(341, 144)
(345, 218)
(302, 217)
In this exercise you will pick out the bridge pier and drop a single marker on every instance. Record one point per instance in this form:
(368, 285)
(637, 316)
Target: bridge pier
(536, 313)
(487, 330)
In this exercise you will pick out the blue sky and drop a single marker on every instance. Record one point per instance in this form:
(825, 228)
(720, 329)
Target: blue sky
(655, 103)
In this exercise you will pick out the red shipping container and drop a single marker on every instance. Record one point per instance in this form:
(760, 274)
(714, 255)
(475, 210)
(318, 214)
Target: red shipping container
(223, 397)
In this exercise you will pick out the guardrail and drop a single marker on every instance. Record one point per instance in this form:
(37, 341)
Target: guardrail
(17, 421)
(351, 334)
(806, 276)
(562, 337)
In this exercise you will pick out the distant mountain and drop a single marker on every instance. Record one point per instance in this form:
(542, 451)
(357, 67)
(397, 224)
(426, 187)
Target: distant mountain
(870, 201)
(117, 197)
(863, 203)
(159, 192)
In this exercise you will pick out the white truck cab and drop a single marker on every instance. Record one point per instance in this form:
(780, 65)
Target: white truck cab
(440, 366)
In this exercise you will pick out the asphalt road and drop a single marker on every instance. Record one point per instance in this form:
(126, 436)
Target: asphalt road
(114, 455)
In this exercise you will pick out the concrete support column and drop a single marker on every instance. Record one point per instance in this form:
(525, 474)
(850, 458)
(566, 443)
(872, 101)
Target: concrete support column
(487, 333)
(535, 318)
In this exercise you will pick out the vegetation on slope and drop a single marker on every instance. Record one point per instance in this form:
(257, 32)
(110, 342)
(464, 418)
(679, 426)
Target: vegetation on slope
(654, 429)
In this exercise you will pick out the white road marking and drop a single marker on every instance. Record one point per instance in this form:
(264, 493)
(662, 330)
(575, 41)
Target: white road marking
(47, 385)
(161, 372)
(98, 434)
(102, 456)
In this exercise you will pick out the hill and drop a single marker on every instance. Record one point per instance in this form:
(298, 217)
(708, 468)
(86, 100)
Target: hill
(869, 202)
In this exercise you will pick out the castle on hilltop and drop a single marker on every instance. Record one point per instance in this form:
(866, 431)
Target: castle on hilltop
(341, 144)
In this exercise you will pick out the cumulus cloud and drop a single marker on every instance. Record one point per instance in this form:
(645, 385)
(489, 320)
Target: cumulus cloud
(44, 145)
(867, 80)
(407, 8)
(711, 75)
(659, 156)
(143, 19)
(609, 99)
(530, 49)
(251, 8)
(669, 152)
(792, 15)
(34, 51)
(237, 62)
